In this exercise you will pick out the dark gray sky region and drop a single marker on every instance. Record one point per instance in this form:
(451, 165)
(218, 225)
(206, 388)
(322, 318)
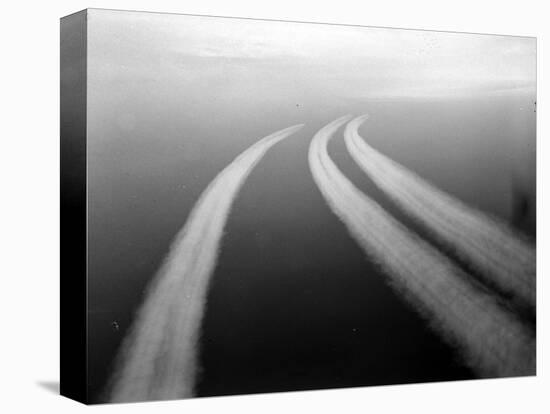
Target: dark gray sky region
(294, 301)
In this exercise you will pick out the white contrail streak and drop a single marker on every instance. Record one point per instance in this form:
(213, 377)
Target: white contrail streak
(489, 246)
(493, 341)
(159, 356)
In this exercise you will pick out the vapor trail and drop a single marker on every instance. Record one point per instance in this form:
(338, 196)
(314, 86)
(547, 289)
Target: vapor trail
(493, 341)
(159, 355)
(500, 254)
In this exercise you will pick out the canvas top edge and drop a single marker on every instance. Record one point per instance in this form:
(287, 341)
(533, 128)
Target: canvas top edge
(298, 21)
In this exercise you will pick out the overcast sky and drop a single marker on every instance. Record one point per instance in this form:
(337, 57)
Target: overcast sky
(359, 62)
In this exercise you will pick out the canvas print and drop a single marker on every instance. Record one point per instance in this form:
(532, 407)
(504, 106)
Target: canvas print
(281, 206)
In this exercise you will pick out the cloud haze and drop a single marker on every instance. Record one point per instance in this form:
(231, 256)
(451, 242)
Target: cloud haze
(378, 62)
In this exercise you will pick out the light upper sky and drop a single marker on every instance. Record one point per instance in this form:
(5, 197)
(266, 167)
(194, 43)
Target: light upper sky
(360, 62)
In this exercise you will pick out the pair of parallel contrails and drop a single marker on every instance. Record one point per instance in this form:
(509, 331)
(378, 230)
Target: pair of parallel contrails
(158, 359)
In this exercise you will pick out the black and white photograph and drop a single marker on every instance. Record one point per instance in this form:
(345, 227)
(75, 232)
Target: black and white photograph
(274, 207)
(283, 206)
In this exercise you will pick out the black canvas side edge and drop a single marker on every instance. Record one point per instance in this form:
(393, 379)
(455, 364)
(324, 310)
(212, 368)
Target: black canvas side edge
(73, 207)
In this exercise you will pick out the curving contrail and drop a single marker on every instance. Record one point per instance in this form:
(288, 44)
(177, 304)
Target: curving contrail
(493, 341)
(159, 355)
(504, 258)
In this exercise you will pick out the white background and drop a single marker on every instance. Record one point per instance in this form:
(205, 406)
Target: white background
(29, 194)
